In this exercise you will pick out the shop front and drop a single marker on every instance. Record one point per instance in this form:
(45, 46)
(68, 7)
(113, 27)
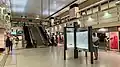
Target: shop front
(109, 38)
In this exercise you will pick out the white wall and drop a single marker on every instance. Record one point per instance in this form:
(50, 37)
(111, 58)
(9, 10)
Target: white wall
(2, 37)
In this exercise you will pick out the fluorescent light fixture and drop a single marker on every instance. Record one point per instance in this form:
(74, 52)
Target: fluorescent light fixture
(107, 15)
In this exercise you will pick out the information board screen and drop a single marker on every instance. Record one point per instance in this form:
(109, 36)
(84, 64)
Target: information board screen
(82, 39)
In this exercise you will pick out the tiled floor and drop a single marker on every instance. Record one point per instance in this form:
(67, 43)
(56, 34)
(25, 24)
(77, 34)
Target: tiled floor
(53, 57)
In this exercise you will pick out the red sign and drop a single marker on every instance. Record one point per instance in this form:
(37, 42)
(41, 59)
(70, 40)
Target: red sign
(114, 39)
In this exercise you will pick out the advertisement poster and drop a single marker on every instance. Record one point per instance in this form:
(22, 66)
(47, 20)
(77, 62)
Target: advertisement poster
(114, 39)
(82, 40)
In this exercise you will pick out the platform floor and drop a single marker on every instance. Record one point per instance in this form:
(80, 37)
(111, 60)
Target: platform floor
(53, 57)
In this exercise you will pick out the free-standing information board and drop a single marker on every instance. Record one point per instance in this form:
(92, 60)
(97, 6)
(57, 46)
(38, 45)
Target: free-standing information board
(78, 38)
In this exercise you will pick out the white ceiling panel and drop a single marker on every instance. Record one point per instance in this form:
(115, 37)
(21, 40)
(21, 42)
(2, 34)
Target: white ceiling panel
(18, 5)
(34, 6)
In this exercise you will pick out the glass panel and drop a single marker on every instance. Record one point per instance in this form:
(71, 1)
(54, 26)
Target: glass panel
(70, 37)
(82, 40)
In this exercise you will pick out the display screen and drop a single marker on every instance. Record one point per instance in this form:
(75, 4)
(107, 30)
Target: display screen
(82, 40)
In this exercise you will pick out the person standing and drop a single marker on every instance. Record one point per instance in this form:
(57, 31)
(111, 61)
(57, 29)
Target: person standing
(35, 43)
(16, 41)
(95, 45)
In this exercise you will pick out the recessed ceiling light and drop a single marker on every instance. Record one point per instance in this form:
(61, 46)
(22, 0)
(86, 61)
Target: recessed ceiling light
(37, 18)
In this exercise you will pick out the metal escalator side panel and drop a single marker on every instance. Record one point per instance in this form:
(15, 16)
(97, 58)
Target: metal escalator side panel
(43, 34)
(27, 37)
(37, 36)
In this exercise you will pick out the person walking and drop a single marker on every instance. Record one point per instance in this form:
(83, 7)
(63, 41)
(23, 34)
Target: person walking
(106, 43)
(95, 45)
(52, 40)
(8, 44)
(11, 44)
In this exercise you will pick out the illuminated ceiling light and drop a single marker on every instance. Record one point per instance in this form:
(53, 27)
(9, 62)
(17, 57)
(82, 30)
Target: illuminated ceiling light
(119, 29)
(37, 17)
(103, 30)
(3, 8)
(84, 13)
(57, 23)
(55, 27)
(52, 29)
(107, 15)
(79, 22)
(65, 25)
(90, 18)
(23, 16)
(60, 26)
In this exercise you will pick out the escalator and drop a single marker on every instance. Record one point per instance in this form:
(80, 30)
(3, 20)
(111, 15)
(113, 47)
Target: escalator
(27, 37)
(37, 36)
(44, 34)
